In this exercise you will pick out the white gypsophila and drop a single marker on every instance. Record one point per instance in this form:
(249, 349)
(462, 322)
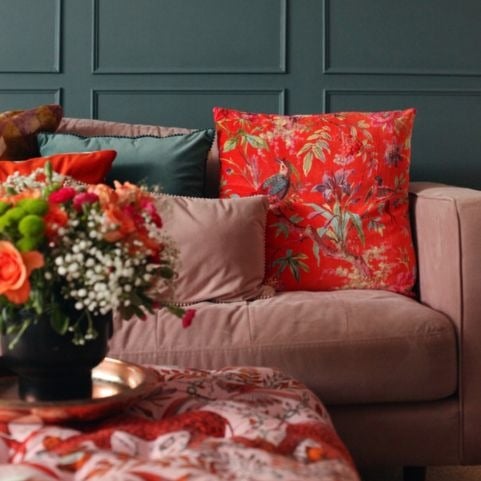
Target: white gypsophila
(19, 182)
(98, 274)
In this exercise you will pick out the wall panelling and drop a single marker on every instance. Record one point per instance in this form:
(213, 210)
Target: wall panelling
(170, 61)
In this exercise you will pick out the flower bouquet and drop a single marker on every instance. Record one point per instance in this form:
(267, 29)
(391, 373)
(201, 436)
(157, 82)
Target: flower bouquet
(71, 254)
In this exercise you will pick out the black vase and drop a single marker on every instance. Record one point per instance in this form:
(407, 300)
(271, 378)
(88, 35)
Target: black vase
(49, 366)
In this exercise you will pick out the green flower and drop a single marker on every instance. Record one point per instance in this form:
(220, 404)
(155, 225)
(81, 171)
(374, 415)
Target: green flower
(26, 244)
(31, 226)
(34, 206)
(15, 214)
(4, 206)
(4, 222)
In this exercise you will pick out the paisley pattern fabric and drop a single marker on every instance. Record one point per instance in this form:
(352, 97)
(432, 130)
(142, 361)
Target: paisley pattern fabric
(338, 191)
(18, 129)
(231, 424)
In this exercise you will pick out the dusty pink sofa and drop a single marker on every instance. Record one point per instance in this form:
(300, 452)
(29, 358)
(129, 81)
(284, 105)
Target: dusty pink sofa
(401, 377)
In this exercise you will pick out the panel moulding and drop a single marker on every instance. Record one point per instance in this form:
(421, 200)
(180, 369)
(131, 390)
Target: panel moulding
(280, 68)
(326, 93)
(96, 93)
(57, 47)
(56, 93)
(328, 69)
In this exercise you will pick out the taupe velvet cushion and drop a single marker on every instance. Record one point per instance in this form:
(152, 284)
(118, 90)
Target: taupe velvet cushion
(352, 346)
(221, 247)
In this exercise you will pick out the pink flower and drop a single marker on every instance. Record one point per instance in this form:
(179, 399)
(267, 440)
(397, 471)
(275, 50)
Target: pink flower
(149, 207)
(187, 318)
(84, 198)
(131, 212)
(62, 195)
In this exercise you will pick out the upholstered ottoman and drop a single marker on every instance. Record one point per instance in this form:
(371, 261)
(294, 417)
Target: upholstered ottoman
(230, 424)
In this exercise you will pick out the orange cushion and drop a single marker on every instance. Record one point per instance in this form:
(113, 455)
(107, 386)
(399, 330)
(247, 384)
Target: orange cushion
(88, 167)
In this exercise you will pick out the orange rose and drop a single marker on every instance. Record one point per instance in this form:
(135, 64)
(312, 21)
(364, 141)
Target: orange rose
(128, 193)
(105, 194)
(124, 222)
(55, 218)
(15, 269)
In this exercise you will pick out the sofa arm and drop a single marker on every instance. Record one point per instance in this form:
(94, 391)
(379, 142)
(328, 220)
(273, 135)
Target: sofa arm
(447, 231)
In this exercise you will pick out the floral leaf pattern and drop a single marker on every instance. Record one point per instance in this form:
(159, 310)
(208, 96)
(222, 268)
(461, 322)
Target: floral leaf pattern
(232, 424)
(337, 185)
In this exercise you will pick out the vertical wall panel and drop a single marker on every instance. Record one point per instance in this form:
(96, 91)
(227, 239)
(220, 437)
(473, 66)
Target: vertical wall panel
(30, 35)
(15, 99)
(408, 37)
(189, 36)
(170, 61)
(184, 108)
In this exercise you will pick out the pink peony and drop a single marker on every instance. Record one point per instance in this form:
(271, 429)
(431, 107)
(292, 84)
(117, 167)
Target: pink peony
(149, 207)
(62, 195)
(84, 198)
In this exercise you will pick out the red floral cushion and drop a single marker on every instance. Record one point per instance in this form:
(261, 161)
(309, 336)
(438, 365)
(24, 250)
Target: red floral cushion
(338, 192)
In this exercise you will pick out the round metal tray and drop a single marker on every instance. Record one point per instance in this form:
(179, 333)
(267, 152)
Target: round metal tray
(116, 385)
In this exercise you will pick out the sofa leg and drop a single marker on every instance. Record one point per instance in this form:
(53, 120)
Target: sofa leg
(414, 473)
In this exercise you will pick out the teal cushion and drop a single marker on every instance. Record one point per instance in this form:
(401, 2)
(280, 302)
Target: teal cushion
(177, 163)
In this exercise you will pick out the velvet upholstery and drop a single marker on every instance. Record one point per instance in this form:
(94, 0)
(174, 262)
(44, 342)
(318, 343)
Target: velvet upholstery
(448, 230)
(210, 234)
(388, 410)
(349, 346)
(427, 411)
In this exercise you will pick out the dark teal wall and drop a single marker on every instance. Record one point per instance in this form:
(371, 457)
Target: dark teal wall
(169, 61)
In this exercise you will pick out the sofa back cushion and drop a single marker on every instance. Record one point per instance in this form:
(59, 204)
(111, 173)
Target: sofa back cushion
(94, 127)
(338, 191)
(91, 127)
(176, 163)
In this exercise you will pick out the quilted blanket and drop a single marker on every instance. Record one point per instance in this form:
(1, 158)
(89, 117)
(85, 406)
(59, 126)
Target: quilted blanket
(229, 424)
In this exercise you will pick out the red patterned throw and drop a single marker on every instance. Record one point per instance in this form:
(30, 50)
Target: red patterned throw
(232, 424)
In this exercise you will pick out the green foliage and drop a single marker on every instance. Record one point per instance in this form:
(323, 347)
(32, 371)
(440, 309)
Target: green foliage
(315, 149)
(281, 229)
(292, 261)
(244, 139)
(339, 221)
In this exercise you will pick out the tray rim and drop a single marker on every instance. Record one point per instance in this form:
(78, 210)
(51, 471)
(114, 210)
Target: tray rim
(125, 396)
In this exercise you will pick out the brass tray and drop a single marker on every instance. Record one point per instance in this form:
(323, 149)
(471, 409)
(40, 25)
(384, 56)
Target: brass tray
(116, 385)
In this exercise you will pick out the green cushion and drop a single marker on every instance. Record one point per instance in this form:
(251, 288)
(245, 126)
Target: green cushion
(176, 163)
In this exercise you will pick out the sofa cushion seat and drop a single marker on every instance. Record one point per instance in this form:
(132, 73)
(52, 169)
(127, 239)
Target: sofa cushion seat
(349, 346)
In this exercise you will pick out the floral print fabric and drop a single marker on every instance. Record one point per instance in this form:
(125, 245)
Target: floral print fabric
(232, 424)
(338, 191)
